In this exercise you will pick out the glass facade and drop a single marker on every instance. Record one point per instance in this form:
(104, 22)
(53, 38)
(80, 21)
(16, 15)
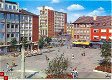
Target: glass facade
(1, 35)
(2, 16)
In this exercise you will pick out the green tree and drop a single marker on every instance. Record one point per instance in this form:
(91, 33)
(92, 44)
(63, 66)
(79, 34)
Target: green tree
(41, 42)
(48, 40)
(13, 43)
(106, 54)
(24, 41)
(57, 66)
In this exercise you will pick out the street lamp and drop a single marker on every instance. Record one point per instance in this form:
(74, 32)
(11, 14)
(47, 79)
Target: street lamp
(23, 62)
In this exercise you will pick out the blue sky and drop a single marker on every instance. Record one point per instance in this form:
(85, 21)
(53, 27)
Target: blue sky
(74, 8)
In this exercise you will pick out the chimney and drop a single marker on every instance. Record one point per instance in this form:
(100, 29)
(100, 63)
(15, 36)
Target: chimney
(94, 17)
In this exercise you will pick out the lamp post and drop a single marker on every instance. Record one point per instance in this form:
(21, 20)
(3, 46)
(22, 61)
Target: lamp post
(23, 62)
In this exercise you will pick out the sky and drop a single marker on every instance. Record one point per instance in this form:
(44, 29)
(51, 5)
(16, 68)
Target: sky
(73, 8)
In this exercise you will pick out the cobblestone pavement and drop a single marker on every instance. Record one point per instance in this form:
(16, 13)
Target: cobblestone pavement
(35, 66)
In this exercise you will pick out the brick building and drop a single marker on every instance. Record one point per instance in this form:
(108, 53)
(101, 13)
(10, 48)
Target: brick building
(92, 28)
(102, 29)
(51, 22)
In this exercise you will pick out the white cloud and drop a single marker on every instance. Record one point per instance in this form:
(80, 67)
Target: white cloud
(99, 11)
(47, 7)
(72, 17)
(75, 7)
(55, 1)
(62, 10)
(25, 8)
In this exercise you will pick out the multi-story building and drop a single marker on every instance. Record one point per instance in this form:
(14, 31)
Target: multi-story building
(51, 22)
(9, 21)
(86, 25)
(29, 26)
(102, 29)
(82, 28)
(70, 30)
(9, 6)
(17, 24)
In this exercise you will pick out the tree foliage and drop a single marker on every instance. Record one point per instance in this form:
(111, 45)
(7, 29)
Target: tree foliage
(48, 40)
(57, 66)
(24, 41)
(106, 53)
(13, 41)
(41, 42)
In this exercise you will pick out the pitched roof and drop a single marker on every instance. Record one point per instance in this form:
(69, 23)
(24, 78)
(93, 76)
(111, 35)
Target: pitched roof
(22, 11)
(101, 21)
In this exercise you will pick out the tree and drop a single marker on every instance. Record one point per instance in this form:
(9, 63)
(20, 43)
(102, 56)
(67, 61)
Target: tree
(41, 42)
(57, 66)
(106, 54)
(13, 43)
(24, 41)
(48, 40)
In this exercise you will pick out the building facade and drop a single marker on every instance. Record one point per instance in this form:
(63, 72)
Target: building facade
(51, 22)
(9, 21)
(92, 28)
(17, 24)
(102, 29)
(70, 30)
(29, 26)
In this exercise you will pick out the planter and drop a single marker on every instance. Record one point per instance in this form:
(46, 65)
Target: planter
(103, 68)
(62, 76)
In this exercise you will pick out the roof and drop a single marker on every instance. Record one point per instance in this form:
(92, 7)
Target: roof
(22, 11)
(101, 21)
(84, 19)
(10, 2)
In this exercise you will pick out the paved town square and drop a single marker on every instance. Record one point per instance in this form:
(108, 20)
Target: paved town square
(35, 66)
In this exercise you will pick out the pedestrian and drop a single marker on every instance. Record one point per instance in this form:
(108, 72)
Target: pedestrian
(8, 67)
(72, 56)
(74, 73)
(13, 63)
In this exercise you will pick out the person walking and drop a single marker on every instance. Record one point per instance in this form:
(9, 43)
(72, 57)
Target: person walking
(74, 73)
(8, 67)
(72, 56)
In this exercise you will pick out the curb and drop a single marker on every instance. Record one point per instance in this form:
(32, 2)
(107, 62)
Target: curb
(102, 72)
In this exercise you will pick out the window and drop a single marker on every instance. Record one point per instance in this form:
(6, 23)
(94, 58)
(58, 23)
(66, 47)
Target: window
(14, 7)
(1, 15)
(1, 35)
(0, 5)
(16, 26)
(110, 30)
(95, 30)
(103, 37)
(103, 30)
(12, 26)
(8, 17)
(10, 7)
(17, 17)
(16, 35)
(12, 16)
(6, 6)
(12, 35)
(8, 35)
(96, 37)
(29, 38)
(1, 26)
(8, 25)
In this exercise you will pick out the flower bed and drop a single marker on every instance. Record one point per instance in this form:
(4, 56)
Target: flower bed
(62, 76)
(103, 68)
